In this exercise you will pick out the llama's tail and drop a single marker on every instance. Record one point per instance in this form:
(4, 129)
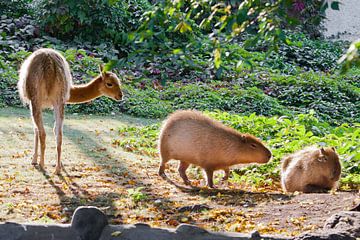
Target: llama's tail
(23, 73)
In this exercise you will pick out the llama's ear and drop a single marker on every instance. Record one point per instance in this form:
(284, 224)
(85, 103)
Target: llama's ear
(101, 69)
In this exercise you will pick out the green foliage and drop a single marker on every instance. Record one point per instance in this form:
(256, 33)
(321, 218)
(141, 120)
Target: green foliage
(283, 136)
(308, 54)
(145, 139)
(151, 103)
(83, 18)
(185, 21)
(136, 194)
(14, 8)
(8, 87)
(351, 57)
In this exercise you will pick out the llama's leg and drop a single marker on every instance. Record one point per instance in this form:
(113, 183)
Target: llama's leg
(58, 131)
(209, 176)
(227, 173)
(36, 114)
(182, 171)
(36, 144)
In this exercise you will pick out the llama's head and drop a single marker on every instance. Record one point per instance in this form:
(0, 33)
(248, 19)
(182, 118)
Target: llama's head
(111, 86)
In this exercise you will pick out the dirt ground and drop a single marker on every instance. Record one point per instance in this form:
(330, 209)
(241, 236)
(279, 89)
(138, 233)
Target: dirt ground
(101, 174)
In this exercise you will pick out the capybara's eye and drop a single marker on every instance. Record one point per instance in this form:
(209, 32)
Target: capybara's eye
(109, 85)
(253, 145)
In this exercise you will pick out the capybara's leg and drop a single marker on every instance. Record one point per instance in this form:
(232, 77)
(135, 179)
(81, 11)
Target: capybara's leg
(162, 166)
(209, 177)
(310, 188)
(39, 133)
(227, 172)
(182, 171)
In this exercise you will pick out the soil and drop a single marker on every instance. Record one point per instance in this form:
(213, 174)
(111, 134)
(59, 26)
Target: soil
(127, 188)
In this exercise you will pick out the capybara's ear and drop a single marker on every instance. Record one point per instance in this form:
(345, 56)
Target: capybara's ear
(322, 151)
(322, 157)
(243, 138)
(333, 148)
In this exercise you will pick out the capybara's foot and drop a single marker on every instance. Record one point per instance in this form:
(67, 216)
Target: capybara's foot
(162, 171)
(162, 174)
(187, 182)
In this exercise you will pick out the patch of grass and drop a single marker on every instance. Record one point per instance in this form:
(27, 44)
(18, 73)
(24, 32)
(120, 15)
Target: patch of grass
(136, 194)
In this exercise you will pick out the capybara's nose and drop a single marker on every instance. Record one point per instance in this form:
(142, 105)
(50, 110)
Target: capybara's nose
(269, 155)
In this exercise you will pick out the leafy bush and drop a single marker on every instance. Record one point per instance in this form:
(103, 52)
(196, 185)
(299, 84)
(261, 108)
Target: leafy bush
(283, 136)
(70, 18)
(14, 8)
(152, 103)
(8, 87)
(316, 55)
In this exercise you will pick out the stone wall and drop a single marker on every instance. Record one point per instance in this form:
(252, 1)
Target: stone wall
(89, 223)
(344, 24)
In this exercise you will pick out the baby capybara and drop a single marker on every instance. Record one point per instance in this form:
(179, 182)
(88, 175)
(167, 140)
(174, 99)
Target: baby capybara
(193, 138)
(311, 170)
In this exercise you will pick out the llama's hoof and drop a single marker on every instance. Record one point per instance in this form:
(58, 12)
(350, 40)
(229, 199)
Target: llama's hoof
(42, 165)
(57, 171)
(34, 160)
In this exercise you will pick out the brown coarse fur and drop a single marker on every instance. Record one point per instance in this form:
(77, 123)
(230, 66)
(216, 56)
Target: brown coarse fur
(193, 138)
(311, 170)
(45, 81)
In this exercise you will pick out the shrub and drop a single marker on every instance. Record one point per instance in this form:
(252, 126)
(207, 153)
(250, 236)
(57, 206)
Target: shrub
(15, 8)
(88, 19)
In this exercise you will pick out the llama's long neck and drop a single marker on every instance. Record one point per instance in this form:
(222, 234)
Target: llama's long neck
(86, 92)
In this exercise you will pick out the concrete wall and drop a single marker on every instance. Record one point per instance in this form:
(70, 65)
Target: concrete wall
(345, 23)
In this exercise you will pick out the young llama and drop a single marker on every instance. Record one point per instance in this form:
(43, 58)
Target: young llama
(45, 81)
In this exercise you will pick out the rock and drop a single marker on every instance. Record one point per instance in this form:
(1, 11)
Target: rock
(194, 208)
(356, 209)
(344, 222)
(89, 222)
(324, 236)
(190, 229)
(255, 235)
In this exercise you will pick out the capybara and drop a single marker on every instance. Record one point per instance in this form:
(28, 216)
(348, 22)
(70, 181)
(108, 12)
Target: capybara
(193, 138)
(311, 170)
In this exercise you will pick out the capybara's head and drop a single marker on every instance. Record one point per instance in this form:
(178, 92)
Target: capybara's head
(331, 161)
(253, 150)
(111, 86)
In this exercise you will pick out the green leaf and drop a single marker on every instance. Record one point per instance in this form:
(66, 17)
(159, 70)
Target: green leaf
(335, 5)
(217, 57)
(110, 65)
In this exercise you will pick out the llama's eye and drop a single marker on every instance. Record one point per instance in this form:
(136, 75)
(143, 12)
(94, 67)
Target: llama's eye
(109, 85)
